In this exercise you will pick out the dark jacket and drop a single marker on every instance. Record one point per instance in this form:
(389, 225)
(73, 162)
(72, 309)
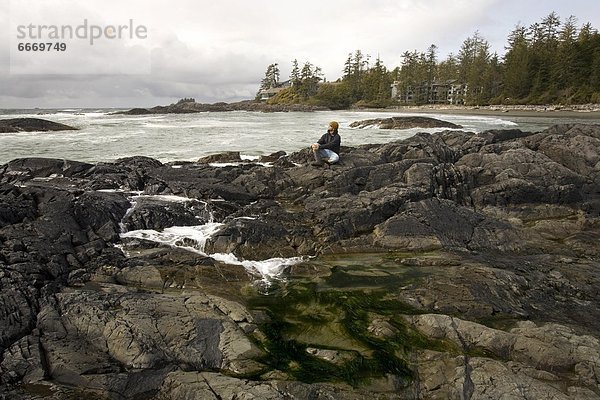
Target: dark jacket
(331, 142)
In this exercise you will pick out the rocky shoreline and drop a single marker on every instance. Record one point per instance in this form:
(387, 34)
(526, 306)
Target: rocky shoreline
(448, 265)
(517, 107)
(580, 110)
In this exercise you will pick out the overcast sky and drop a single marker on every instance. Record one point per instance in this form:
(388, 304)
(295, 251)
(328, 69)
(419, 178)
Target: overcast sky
(218, 50)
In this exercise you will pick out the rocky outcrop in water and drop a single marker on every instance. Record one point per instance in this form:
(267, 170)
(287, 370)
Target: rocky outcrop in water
(187, 107)
(404, 123)
(497, 232)
(31, 125)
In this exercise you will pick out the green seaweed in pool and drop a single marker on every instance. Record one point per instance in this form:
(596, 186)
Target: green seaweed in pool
(346, 325)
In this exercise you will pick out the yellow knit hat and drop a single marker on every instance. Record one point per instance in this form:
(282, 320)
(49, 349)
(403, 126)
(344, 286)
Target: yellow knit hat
(334, 125)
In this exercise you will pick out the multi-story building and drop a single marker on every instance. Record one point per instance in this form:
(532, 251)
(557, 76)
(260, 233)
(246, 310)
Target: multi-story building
(449, 92)
(457, 92)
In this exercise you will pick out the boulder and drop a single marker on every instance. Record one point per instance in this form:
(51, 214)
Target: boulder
(12, 125)
(157, 213)
(544, 356)
(225, 157)
(404, 123)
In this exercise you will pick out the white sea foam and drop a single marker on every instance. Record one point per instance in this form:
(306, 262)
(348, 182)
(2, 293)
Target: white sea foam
(121, 190)
(168, 197)
(128, 213)
(106, 137)
(270, 268)
(193, 238)
(233, 164)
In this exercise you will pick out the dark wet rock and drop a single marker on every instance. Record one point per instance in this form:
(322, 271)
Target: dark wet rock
(15, 206)
(441, 224)
(272, 157)
(263, 230)
(422, 146)
(541, 354)
(404, 123)
(205, 182)
(137, 111)
(32, 125)
(139, 162)
(22, 362)
(499, 228)
(29, 168)
(155, 212)
(226, 157)
(100, 213)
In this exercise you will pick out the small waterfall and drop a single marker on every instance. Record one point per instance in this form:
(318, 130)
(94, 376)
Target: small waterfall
(128, 213)
(194, 238)
(211, 216)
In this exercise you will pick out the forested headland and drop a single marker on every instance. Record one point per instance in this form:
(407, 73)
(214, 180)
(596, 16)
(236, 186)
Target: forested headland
(548, 62)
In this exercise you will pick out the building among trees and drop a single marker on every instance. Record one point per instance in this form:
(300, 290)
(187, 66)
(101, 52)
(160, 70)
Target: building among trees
(549, 62)
(267, 93)
(448, 92)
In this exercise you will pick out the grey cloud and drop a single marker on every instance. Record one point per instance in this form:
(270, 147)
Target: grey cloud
(219, 51)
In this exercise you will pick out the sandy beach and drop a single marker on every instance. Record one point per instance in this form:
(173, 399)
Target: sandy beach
(586, 111)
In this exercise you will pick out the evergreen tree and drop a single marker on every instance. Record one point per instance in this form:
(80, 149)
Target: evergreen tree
(516, 65)
(587, 62)
(376, 84)
(563, 69)
(310, 77)
(447, 70)
(271, 78)
(493, 78)
(473, 59)
(295, 74)
(412, 75)
(430, 64)
(355, 69)
(348, 67)
(545, 62)
(543, 57)
(405, 76)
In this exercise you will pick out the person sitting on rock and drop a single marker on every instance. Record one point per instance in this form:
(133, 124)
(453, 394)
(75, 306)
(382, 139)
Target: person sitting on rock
(327, 149)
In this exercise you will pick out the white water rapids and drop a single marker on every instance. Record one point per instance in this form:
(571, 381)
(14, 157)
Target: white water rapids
(193, 238)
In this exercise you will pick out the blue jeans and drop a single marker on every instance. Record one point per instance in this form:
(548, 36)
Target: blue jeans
(329, 156)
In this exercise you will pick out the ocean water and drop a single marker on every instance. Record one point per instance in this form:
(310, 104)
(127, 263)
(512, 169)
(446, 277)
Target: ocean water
(104, 136)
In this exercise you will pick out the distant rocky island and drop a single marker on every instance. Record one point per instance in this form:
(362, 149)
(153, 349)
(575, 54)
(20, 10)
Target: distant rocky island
(13, 125)
(186, 107)
(447, 265)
